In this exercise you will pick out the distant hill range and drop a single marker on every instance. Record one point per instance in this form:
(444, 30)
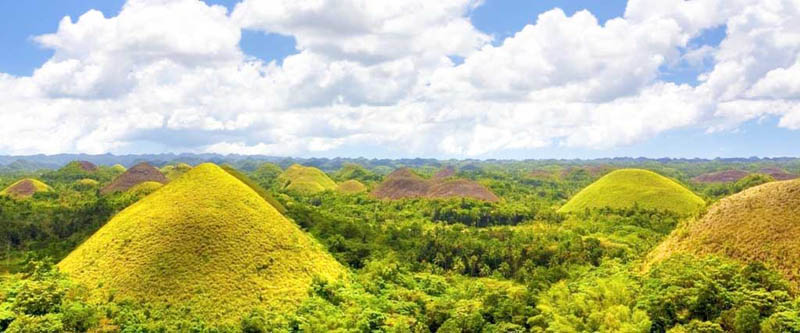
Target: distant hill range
(251, 162)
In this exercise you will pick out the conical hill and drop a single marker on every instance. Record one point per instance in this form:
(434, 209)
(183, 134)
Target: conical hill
(306, 180)
(25, 188)
(205, 242)
(627, 188)
(760, 224)
(136, 175)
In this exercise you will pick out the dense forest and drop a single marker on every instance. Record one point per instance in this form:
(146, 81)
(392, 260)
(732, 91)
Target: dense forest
(420, 264)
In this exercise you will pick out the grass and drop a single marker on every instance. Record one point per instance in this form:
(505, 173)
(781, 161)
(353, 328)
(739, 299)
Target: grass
(253, 185)
(174, 171)
(760, 224)
(25, 188)
(306, 180)
(137, 174)
(205, 242)
(351, 187)
(118, 168)
(627, 188)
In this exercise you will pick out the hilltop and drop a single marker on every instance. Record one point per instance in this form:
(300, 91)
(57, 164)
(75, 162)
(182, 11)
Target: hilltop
(25, 188)
(760, 224)
(207, 243)
(404, 183)
(627, 188)
(306, 180)
(351, 187)
(137, 174)
(173, 171)
(80, 166)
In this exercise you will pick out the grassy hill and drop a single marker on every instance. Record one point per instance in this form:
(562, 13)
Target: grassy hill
(25, 188)
(207, 243)
(628, 187)
(306, 180)
(404, 183)
(760, 224)
(351, 187)
(255, 187)
(173, 171)
(137, 174)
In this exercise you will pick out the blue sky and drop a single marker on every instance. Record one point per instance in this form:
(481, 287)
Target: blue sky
(500, 19)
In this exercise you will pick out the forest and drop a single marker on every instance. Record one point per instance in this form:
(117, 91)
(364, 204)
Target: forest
(522, 263)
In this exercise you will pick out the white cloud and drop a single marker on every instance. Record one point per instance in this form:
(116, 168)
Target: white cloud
(377, 74)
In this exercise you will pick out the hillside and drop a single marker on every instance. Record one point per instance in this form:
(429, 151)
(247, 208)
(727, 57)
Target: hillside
(306, 180)
(255, 187)
(80, 166)
(727, 176)
(760, 224)
(628, 187)
(404, 183)
(137, 174)
(351, 187)
(400, 184)
(25, 188)
(173, 171)
(205, 242)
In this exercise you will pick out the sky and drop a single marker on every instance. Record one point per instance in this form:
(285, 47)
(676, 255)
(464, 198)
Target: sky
(446, 79)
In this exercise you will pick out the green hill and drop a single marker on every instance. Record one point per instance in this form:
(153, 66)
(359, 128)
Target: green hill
(306, 180)
(206, 243)
(760, 224)
(351, 187)
(628, 187)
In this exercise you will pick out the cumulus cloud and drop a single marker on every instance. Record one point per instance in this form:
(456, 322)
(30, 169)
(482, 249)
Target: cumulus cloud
(171, 73)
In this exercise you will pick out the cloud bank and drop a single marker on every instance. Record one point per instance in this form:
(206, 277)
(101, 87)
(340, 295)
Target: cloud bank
(170, 75)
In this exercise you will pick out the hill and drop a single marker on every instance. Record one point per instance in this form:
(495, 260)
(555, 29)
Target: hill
(727, 176)
(628, 187)
(25, 188)
(306, 180)
(351, 187)
(255, 187)
(85, 166)
(173, 171)
(137, 174)
(461, 188)
(400, 184)
(404, 183)
(118, 168)
(206, 243)
(760, 224)
(778, 173)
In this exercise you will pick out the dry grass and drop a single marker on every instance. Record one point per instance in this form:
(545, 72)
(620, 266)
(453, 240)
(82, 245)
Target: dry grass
(761, 224)
(25, 188)
(205, 242)
(404, 183)
(136, 175)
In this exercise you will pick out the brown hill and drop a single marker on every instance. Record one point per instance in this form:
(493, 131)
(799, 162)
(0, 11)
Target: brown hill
(461, 188)
(25, 188)
(446, 172)
(404, 183)
(87, 166)
(760, 224)
(727, 176)
(778, 174)
(400, 184)
(136, 175)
